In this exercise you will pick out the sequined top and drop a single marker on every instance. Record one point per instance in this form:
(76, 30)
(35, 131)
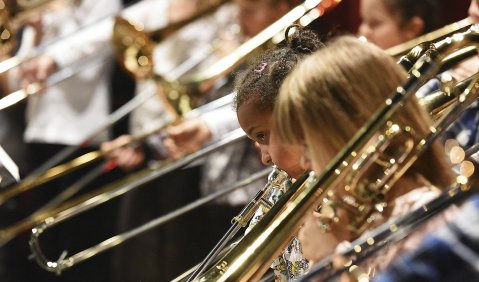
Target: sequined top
(290, 265)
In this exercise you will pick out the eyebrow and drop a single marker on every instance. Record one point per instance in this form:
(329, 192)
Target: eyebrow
(251, 129)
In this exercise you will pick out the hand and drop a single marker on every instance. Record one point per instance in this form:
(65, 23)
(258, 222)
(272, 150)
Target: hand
(186, 137)
(37, 70)
(180, 10)
(36, 22)
(128, 157)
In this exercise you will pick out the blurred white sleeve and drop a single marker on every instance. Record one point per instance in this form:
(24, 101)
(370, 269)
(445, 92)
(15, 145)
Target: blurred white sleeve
(221, 121)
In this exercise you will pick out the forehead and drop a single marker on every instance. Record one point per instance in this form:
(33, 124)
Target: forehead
(375, 8)
(252, 3)
(250, 115)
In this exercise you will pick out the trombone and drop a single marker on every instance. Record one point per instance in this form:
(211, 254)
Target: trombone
(251, 256)
(125, 37)
(12, 14)
(390, 233)
(134, 47)
(447, 30)
(64, 263)
(62, 169)
(47, 173)
(117, 188)
(306, 9)
(309, 10)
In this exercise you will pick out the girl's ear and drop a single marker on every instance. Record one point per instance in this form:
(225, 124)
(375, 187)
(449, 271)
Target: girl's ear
(413, 28)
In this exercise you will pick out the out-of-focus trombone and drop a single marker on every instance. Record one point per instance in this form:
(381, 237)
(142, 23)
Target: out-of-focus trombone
(12, 15)
(122, 34)
(275, 178)
(305, 13)
(136, 179)
(435, 35)
(134, 46)
(389, 233)
(250, 258)
(117, 188)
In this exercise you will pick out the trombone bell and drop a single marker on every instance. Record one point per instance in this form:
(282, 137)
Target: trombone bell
(133, 48)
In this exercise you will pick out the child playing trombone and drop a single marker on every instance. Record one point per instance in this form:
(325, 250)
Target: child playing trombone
(321, 105)
(257, 90)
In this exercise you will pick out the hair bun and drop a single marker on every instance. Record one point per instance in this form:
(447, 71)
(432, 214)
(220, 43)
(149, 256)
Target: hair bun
(302, 40)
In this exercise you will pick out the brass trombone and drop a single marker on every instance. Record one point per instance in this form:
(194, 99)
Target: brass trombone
(442, 32)
(117, 188)
(64, 263)
(134, 46)
(12, 14)
(390, 232)
(122, 35)
(62, 169)
(222, 66)
(251, 257)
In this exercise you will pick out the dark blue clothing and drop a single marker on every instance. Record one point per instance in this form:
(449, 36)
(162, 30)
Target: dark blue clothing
(451, 254)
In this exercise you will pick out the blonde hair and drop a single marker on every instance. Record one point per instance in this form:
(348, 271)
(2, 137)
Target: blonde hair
(335, 91)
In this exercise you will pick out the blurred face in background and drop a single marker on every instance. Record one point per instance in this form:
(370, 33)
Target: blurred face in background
(383, 27)
(256, 15)
(474, 10)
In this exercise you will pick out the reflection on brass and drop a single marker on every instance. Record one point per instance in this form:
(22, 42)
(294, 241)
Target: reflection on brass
(134, 51)
(400, 49)
(13, 14)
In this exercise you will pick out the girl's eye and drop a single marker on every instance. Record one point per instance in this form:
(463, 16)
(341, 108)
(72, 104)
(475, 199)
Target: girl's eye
(260, 136)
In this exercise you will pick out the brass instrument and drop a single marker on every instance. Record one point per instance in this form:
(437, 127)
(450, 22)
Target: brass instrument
(117, 188)
(389, 233)
(134, 49)
(447, 30)
(251, 257)
(10, 232)
(134, 46)
(275, 179)
(64, 263)
(243, 50)
(12, 14)
(303, 14)
(88, 158)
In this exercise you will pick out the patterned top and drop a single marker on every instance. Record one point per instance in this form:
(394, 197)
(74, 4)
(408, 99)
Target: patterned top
(290, 265)
(464, 129)
(448, 254)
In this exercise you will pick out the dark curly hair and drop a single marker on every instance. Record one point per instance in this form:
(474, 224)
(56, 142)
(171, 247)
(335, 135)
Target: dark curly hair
(261, 81)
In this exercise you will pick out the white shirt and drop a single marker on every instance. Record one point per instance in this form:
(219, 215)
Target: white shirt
(173, 55)
(69, 111)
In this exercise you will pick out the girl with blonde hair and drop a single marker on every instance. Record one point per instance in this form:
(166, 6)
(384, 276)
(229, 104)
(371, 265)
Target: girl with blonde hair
(321, 105)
